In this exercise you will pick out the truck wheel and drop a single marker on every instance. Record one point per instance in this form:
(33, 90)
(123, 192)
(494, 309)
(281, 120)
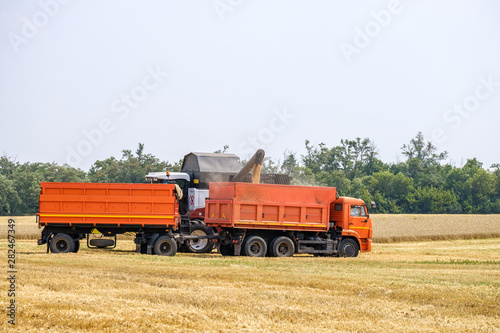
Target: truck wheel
(165, 246)
(282, 247)
(62, 243)
(255, 246)
(200, 245)
(226, 250)
(348, 248)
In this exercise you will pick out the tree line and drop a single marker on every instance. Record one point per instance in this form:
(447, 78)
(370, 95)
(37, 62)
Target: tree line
(421, 184)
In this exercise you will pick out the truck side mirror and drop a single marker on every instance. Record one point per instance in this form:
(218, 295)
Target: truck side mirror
(373, 205)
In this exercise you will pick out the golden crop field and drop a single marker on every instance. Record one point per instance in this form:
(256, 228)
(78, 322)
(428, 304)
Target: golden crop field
(427, 286)
(444, 285)
(408, 227)
(387, 227)
(26, 227)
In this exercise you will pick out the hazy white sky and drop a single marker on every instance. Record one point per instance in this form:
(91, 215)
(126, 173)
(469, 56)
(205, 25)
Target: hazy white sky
(82, 80)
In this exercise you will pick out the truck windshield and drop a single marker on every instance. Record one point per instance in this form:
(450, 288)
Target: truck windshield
(357, 210)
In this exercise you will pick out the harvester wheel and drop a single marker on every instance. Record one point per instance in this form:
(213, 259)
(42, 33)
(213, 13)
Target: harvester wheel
(199, 228)
(348, 248)
(165, 246)
(62, 243)
(282, 247)
(255, 246)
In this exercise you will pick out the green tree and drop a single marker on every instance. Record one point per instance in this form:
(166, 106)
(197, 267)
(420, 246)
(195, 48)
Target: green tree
(8, 166)
(9, 199)
(355, 158)
(390, 191)
(359, 189)
(423, 152)
(290, 164)
(475, 187)
(430, 200)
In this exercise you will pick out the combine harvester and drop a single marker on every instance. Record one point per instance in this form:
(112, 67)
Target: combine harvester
(241, 218)
(197, 172)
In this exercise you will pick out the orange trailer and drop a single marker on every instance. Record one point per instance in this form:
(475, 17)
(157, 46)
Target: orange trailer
(70, 212)
(93, 204)
(280, 220)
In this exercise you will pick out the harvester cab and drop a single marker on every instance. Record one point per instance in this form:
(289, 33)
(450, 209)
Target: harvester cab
(181, 179)
(198, 170)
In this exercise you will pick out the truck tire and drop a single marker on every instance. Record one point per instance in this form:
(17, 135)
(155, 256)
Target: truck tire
(348, 248)
(102, 243)
(62, 243)
(282, 247)
(165, 246)
(255, 246)
(201, 245)
(226, 250)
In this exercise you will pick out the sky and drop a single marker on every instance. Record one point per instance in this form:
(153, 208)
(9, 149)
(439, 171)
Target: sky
(82, 80)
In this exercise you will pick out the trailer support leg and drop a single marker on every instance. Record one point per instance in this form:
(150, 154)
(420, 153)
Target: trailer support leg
(47, 240)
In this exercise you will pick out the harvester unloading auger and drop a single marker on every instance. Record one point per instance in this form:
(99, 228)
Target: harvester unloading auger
(254, 164)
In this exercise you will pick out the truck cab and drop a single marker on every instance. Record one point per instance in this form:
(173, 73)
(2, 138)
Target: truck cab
(350, 216)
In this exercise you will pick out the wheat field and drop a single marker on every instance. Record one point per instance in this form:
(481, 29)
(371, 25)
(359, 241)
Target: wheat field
(434, 283)
(386, 227)
(433, 286)
(414, 227)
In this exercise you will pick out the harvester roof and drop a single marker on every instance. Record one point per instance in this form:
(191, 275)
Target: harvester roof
(211, 162)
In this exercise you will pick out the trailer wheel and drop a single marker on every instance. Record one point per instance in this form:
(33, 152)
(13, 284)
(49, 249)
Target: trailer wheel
(200, 245)
(255, 246)
(62, 243)
(165, 246)
(348, 248)
(282, 247)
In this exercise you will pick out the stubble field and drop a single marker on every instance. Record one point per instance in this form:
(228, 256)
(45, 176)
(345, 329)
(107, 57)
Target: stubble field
(426, 286)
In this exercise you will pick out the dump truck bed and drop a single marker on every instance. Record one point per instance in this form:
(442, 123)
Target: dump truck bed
(267, 206)
(111, 205)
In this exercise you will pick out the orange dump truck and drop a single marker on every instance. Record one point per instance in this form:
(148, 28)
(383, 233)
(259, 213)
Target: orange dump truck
(248, 219)
(70, 212)
(280, 220)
